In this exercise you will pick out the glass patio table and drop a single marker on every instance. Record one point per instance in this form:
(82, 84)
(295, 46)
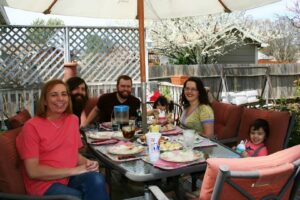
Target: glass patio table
(142, 171)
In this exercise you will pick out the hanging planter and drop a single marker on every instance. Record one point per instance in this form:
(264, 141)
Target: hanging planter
(178, 79)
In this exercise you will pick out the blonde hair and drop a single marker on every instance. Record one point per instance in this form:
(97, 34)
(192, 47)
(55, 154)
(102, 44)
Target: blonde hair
(42, 108)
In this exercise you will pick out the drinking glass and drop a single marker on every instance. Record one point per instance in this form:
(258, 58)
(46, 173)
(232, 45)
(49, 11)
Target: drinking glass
(131, 123)
(115, 126)
(188, 139)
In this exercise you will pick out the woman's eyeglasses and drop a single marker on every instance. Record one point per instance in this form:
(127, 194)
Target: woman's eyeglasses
(190, 89)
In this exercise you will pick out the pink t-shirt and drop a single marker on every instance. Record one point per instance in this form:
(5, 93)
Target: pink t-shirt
(251, 148)
(54, 143)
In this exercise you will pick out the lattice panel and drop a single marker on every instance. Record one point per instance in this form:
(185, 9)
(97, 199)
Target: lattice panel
(105, 53)
(30, 56)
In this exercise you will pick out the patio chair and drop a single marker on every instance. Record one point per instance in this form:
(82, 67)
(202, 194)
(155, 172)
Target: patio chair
(281, 124)
(268, 183)
(276, 176)
(19, 119)
(11, 181)
(177, 112)
(227, 120)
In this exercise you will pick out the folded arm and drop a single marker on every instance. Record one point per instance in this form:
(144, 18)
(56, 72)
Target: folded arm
(35, 170)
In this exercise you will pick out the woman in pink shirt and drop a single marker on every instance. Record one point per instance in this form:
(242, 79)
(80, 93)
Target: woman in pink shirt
(48, 145)
(259, 132)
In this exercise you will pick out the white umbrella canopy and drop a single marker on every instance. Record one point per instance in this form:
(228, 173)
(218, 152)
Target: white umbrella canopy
(127, 9)
(135, 9)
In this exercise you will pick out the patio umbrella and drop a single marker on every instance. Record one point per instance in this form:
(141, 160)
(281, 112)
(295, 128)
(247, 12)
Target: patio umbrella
(134, 9)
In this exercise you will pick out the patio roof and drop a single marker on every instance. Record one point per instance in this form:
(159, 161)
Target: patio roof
(3, 17)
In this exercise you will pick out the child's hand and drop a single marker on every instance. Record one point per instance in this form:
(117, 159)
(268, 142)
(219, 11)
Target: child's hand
(245, 154)
(234, 147)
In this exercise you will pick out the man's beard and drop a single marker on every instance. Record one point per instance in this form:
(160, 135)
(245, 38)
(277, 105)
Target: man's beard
(78, 103)
(122, 95)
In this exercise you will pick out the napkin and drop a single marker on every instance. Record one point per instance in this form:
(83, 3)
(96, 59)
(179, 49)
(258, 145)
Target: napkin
(175, 131)
(101, 142)
(124, 143)
(173, 165)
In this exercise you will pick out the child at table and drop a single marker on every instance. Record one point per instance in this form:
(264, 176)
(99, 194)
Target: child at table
(162, 105)
(258, 133)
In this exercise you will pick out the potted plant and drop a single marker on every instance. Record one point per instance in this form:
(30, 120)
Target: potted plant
(179, 79)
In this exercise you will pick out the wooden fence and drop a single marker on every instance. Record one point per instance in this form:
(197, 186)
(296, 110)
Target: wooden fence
(238, 77)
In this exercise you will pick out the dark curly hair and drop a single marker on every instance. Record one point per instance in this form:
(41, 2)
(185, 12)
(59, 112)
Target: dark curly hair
(203, 97)
(73, 82)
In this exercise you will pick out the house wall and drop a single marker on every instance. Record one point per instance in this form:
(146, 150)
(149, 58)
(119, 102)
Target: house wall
(243, 55)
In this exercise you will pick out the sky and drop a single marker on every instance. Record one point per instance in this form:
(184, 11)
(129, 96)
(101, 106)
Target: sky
(18, 17)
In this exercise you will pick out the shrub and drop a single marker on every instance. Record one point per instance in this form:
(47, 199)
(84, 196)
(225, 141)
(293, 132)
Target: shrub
(297, 85)
(293, 106)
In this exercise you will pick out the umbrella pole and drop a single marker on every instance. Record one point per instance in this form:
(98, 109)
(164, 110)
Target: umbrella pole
(140, 11)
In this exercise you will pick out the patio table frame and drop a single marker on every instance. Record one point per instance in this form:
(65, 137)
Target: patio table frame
(141, 171)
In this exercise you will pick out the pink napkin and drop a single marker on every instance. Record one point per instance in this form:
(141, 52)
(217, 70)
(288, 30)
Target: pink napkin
(124, 143)
(175, 131)
(173, 165)
(111, 141)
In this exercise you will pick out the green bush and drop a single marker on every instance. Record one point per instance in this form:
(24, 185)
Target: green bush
(297, 85)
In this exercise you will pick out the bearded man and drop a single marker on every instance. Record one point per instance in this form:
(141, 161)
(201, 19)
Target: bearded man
(122, 96)
(79, 96)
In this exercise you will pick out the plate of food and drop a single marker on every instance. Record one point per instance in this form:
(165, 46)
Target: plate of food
(169, 145)
(125, 149)
(167, 127)
(100, 135)
(182, 156)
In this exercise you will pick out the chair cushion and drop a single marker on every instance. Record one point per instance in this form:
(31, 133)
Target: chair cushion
(278, 122)
(19, 119)
(245, 164)
(10, 173)
(227, 119)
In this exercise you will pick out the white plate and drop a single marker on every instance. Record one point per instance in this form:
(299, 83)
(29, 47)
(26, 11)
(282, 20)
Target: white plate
(100, 135)
(181, 156)
(197, 140)
(125, 149)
